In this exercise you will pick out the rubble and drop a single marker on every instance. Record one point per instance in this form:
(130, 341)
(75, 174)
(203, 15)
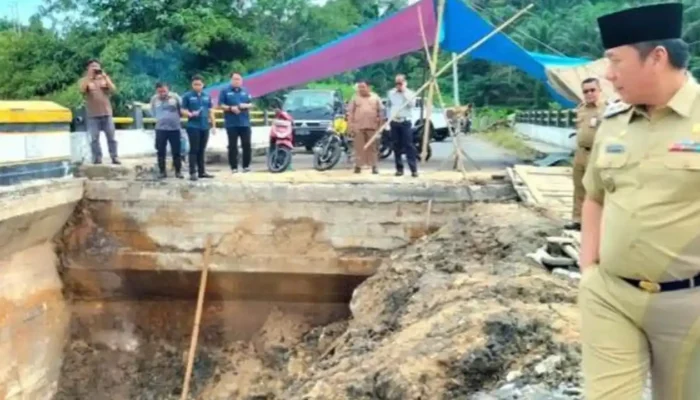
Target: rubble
(458, 315)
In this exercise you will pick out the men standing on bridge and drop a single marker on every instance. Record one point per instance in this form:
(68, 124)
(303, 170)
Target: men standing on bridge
(97, 88)
(588, 117)
(365, 113)
(640, 290)
(197, 107)
(236, 103)
(401, 101)
(167, 108)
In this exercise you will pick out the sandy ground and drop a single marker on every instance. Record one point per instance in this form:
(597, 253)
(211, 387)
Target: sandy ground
(458, 315)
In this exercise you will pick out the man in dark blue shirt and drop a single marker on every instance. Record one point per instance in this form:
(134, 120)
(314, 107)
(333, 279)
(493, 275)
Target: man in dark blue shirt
(235, 101)
(197, 107)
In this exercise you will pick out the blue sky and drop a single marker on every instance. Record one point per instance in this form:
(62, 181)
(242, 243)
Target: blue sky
(25, 8)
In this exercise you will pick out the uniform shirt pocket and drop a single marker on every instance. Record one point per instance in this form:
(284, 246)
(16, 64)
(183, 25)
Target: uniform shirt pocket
(689, 161)
(612, 155)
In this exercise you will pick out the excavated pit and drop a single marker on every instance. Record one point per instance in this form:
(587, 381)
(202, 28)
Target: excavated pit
(99, 292)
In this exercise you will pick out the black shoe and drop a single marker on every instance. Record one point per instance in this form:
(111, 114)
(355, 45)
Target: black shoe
(193, 177)
(116, 161)
(162, 175)
(97, 161)
(234, 170)
(375, 171)
(574, 226)
(358, 170)
(206, 176)
(246, 170)
(399, 173)
(414, 174)
(179, 175)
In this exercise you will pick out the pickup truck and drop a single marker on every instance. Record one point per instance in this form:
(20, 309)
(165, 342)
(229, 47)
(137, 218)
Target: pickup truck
(313, 111)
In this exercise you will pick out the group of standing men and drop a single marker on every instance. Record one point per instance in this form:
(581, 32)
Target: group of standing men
(366, 115)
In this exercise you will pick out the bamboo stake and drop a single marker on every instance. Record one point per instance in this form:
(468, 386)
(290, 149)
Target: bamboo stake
(428, 107)
(197, 318)
(428, 213)
(457, 152)
(445, 68)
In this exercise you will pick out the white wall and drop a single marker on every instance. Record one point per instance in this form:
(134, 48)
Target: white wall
(18, 147)
(557, 137)
(137, 143)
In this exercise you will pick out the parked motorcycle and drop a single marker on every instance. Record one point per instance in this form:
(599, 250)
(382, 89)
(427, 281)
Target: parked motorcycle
(279, 155)
(330, 148)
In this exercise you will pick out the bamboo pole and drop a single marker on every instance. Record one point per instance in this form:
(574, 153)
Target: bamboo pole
(197, 318)
(445, 68)
(456, 142)
(428, 107)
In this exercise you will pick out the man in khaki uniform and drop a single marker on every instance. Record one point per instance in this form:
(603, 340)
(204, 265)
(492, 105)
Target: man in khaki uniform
(640, 291)
(365, 113)
(588, 117)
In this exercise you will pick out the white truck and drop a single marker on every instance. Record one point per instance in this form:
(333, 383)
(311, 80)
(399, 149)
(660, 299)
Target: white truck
(439, 129)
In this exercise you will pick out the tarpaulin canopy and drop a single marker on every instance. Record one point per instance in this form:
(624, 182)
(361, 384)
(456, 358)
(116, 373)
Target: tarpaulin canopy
(399, 34)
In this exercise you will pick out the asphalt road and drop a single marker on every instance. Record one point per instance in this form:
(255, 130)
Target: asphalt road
(484, 156)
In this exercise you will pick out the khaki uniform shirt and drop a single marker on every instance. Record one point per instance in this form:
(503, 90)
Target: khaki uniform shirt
(365, 113)
(97, 99)
(588, 118)
(646, 169)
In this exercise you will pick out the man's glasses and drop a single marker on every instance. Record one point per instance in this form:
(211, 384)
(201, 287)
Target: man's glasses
(586, 91)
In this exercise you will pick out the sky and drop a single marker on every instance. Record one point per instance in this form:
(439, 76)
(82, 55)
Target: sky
(25, 9)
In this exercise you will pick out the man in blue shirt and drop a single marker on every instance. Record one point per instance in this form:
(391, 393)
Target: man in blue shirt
(198, 108)
(235, 101)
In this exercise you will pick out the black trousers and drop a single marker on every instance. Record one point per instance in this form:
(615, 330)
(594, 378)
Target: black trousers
(162, 140)
(244, 133)
(402, 140)
(198, 144)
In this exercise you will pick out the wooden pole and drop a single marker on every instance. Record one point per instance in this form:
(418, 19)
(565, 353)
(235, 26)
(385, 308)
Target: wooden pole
(456, 142)
(445, 68)
(431, 89)
(197, 318)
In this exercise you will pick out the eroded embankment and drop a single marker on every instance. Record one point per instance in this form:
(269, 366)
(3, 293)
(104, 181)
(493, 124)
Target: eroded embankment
(456, 315)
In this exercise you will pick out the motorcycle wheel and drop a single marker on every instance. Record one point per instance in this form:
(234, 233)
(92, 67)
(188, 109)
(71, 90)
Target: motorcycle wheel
(419, 152)
(384, 151)
(278, 159)
(327, 153)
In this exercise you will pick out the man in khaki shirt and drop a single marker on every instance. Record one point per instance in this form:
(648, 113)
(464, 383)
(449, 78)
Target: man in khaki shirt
(364, 118)
(97, 88)
(640, 291)
(588, 116)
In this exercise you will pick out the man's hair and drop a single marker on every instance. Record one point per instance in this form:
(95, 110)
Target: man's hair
(402, 76)
(678, 51)
(91, 61)
(236, 73)
(590, 80)
(197, 78)
(362, 80)
(161, 85)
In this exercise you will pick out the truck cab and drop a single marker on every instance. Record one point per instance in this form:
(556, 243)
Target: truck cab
(313, 111)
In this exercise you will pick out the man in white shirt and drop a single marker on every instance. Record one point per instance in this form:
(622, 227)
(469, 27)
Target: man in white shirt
(401, 127)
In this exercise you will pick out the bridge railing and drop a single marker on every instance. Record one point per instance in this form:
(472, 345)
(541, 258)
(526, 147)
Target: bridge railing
(553, 118)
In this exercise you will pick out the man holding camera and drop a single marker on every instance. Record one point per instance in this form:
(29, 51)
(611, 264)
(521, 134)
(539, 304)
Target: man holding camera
(97, 88)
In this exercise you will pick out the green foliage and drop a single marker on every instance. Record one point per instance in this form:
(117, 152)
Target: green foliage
(142, 41)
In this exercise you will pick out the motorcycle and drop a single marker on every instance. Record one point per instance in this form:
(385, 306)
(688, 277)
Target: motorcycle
(386, 147)
(329, 149)
(279, 155)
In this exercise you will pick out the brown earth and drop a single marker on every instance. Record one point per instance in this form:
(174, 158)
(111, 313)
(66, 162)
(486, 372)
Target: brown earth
(457, 315)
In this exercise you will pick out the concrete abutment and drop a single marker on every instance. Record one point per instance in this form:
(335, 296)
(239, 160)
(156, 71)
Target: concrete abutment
(108, 250)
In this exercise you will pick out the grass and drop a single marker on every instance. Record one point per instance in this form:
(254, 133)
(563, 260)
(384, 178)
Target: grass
(509, 140)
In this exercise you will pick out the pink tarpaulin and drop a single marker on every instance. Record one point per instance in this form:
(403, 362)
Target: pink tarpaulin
(385, 39)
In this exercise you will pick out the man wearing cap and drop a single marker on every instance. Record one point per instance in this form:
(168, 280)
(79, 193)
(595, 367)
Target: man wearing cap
(640, 255)
(588, 115)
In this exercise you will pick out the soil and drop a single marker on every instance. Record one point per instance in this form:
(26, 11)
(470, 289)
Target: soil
(458, 315)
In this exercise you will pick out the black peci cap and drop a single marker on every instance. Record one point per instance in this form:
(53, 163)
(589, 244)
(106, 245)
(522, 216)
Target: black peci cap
(641, 24)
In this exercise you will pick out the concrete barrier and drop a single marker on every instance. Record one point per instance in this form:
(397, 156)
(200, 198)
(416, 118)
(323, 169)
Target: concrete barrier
(555, 137)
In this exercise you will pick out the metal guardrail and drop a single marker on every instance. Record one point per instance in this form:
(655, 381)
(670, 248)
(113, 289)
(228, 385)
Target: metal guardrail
(258, 118)
(553, 118)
